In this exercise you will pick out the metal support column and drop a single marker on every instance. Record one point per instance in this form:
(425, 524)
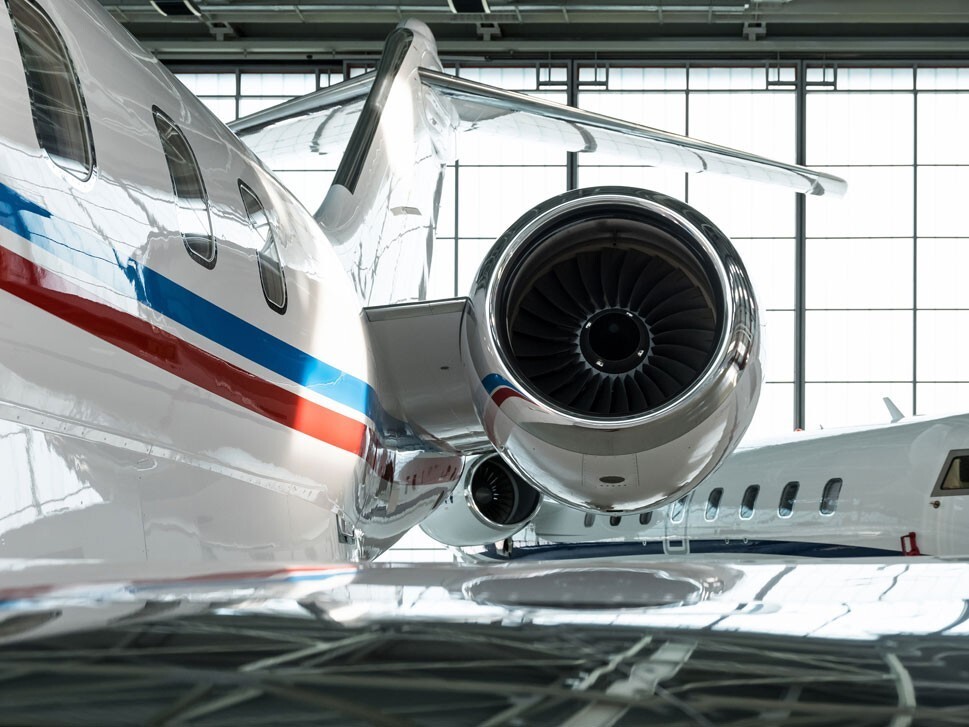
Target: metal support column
(800, 251)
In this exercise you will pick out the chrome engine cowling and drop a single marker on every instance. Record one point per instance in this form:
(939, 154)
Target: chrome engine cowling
(613, 345)
(492, 502)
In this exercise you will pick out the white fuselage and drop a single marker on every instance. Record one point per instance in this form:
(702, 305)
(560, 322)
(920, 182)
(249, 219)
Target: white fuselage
(153, 407)
(888, 475)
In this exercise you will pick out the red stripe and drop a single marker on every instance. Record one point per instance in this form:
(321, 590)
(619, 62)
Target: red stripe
(503, 393)
(64, 299)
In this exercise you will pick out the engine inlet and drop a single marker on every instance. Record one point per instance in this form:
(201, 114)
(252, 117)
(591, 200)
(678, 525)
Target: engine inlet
(610, 312)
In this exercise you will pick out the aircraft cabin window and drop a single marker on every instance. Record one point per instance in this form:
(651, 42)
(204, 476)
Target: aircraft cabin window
(957, 475)
(788, 497)
(270, 269)
(829, 498)
(56, 102)
(614, 520)
(645, 517)
(747, 504)
(713, 503)
(677, 510)
(589, 520)
(194, 217)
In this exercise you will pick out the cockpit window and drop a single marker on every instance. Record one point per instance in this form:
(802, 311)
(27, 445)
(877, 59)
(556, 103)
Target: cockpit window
(747, 504)
(56, 102)
(194, 217)
(956, 474)
(270, 269)
(788, 497)
(829, 498)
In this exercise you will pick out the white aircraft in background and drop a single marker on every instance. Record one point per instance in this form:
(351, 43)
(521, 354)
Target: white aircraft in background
(194, 367)
(878, 491)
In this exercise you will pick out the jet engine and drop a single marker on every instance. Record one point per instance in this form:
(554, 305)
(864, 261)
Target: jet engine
(613, 346)
(491, 503)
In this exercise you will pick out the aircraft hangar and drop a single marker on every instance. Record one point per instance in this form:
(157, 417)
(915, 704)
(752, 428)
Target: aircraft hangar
(188, 515)
(863, 297)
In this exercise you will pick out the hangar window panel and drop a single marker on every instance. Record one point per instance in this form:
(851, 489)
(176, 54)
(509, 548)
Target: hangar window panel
(743, 210)
(864, 345)
(942, 137)
(270, 269)
(637, 79)
(831, 405)
(948, 398)
(56, 100)
(192, 202)
(785, 508)
(942, 78)
(209, 84)
(760, 123)
(729, 79)
(666, 111)
(225, 109)
(859, 273)
(749, 502)
(491, 198)
(941, 278)
(830, 495)
(770, 264)
(666, 181)
(860, 128)
(878, 205)
(875, 79)
(277, 84)
(943, 347)
(774, 413)
(777, 336)
(938, 214)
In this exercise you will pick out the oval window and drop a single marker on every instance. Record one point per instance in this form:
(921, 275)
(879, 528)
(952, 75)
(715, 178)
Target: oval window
(270, 269)
(829, 498)
(788, 497)
(749, 501)
(56, 102)
(713, 503)
(194, 217)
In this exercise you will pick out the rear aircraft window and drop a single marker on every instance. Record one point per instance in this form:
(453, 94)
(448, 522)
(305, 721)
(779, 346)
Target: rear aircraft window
(194, 217)
(829, 498)
(645, 517)
(747, 504)
(676, 512)
(56, 102)
(589, 520)
(788, 497)
(270, 269)
(713, 503)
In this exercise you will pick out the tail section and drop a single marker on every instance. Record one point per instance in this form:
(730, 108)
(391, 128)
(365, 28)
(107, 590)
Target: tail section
(381, 209)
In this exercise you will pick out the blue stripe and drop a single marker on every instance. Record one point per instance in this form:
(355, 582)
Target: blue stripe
(98, 258)
(494, 381)
(575, 551)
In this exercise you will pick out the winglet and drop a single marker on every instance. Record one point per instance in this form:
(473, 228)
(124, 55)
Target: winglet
(893, 410)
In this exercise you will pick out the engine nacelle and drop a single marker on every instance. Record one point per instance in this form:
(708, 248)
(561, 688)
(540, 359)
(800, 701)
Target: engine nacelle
(613, 345)
(491, 503)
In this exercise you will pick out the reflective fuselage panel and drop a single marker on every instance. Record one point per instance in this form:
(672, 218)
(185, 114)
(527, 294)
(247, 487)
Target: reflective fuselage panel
(152, 406)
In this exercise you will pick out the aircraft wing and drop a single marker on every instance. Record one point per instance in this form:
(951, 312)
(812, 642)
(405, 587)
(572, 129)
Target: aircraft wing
(310, 130)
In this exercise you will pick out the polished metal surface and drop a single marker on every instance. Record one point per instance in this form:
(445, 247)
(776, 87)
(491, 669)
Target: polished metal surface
(667, 642)
(616, 463)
